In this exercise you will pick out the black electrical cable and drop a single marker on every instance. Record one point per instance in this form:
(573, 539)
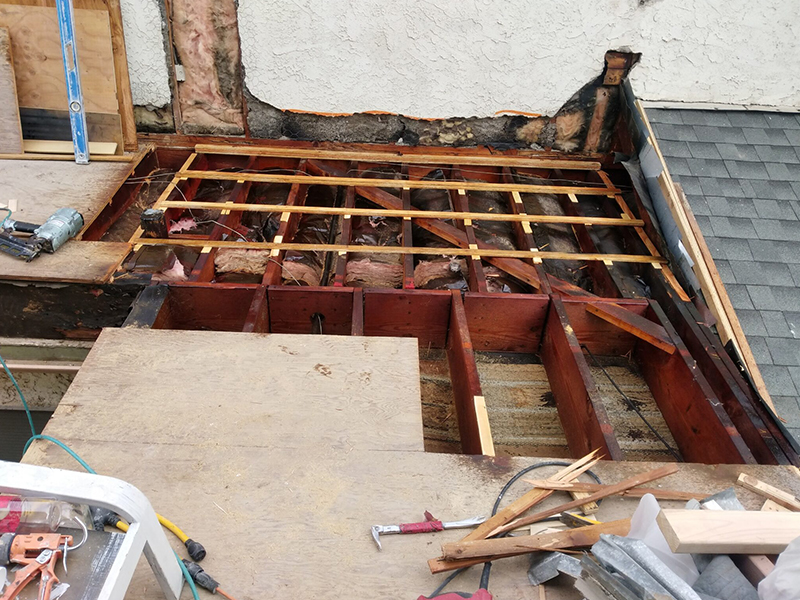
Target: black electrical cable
(633, 407)
(487, 566)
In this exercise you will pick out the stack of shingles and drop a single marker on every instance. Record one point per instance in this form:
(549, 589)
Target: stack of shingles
(664, 554)
(741, 173)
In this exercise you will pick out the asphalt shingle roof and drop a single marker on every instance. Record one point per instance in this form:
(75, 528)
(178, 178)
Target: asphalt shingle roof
(741, 173)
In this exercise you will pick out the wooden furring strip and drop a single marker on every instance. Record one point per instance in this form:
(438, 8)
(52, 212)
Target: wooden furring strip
(410, 213)
(480, 251)
(410, 159)
(425, 184)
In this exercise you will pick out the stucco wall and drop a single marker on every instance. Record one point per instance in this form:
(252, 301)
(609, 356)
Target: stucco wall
(147, 59)
(443, 58)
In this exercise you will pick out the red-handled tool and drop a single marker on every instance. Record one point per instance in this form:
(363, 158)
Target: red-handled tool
(423, 527)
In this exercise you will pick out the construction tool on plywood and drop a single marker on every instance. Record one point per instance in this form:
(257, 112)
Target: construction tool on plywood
(59, 227)
(428, 526)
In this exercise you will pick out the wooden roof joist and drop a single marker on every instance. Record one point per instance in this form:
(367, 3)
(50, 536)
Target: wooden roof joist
(480, 252)
(400, 158)
(413, 213)
(426, 184)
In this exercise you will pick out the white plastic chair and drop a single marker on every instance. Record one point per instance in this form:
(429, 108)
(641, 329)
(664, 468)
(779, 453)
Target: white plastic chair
(128, 502)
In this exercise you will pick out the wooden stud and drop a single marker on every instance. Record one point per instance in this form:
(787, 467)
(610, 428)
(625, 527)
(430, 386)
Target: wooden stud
(728, 531)
(759, 431)
(121, 76)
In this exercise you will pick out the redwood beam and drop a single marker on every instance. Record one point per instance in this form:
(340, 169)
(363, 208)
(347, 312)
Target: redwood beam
(460, 200)
(287, 229)
(408, 236)
(641, 327)
(347, 229)
(702, 429)
(257, 320)
(357, 327)
(580, 406)
(604, 280)
(756, 426)
(473, 421)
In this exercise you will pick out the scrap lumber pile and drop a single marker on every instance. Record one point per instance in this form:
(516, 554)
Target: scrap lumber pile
(712, 548)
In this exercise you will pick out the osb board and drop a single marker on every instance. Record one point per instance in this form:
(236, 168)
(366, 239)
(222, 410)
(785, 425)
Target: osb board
(42, 187)
(10, 130)
(284, 524)
(38, 61)
(74, 262)
(218, 389)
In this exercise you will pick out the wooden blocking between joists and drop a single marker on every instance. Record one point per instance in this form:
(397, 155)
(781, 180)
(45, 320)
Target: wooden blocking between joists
(357, 323)
(580, 407)
(150, 309)
(702, 429)
(642, 327)
(258, 316)
(473, 420)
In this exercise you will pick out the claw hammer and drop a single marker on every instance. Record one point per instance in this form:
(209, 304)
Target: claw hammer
(423, 527)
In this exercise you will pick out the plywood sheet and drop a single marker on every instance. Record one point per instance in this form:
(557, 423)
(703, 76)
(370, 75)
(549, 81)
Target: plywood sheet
(75, 262)
(10, 131)
(300, 521)
(277, 453)
(37, 57)
(214, 388)
(42, 187)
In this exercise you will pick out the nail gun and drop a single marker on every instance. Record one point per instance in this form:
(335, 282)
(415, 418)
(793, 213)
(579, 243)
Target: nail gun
(59, 227)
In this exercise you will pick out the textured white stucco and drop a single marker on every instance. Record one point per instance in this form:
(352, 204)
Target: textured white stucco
(443, 58)
(147, 59)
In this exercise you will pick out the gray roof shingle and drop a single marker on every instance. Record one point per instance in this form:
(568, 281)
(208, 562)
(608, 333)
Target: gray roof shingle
(741, 173)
